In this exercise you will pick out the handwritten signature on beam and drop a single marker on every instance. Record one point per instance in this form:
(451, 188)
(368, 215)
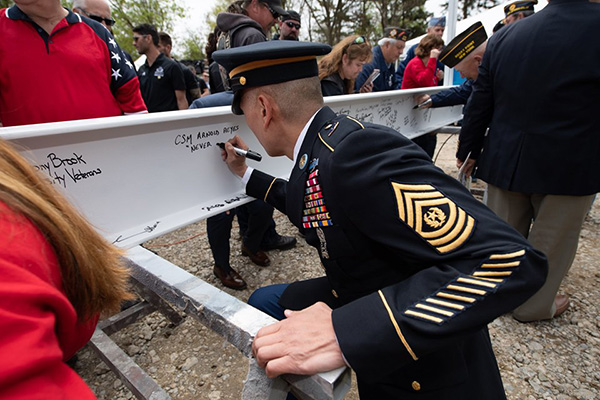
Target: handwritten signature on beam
(148, 229)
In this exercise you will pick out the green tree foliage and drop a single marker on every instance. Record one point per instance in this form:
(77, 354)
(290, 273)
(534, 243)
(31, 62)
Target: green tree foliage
(193, 47)
(130, 13)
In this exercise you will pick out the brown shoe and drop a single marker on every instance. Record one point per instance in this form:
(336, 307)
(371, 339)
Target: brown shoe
(259, 258)
(562, 302)
(231, 279)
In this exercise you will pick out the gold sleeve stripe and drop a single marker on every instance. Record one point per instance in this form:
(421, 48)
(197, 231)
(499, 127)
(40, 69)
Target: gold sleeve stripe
(502, 265)
(398, 331)
(424, 316)
(492, 273)
(445, 304)
(467, 290)
(325, 143)
(269, 189)
(510, 255)
(476, 282)
(435, 310)
(358, 122)
(490, 279)
(461, 239)
(455, 297)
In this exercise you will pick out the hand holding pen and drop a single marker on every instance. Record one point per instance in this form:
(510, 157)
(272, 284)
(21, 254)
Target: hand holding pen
(234, 154)
(252, 155)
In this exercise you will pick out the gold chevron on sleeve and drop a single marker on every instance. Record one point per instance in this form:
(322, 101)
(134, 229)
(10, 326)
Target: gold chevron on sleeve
(492, 273)
(423, 316)
(433, 216)
(465, 299)
(448, 304)
(435, 310)
(502, 265)
(476, 282)
(509, 255)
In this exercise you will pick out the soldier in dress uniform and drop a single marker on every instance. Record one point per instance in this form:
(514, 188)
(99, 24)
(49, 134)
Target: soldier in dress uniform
(415, 266)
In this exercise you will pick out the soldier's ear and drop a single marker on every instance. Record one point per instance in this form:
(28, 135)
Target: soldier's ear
(265, 103)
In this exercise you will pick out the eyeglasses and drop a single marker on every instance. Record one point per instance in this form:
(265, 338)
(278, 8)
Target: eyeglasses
(136, 38)
(274, 13)
(359, 40)
(293, 25)
(97, 18)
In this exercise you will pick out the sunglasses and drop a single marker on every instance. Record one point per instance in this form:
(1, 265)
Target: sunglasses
(293, 25)
(136, 38)
(359, 40)
(274, 13)
(97, 18)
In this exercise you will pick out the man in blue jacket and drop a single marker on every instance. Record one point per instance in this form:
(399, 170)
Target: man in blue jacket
(385, 54)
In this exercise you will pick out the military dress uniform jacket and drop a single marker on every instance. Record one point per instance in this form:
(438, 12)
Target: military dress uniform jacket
(416, 267)
(538, 90)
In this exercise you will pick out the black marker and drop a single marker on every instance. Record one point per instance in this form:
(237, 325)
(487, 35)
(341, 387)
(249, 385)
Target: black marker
(244, 153)
(422, 104)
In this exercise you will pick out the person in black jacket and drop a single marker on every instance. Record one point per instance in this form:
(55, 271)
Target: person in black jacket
(339, 69)
(415, 266)
(539, 95)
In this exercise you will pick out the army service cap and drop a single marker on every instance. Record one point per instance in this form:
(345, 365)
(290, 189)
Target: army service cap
(519, 6)
(463, 45)
(393, 32)
(268, 63)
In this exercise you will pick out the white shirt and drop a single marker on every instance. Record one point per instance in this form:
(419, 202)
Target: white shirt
(249, 170)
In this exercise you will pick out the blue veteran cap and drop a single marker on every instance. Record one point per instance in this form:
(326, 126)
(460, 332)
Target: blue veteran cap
(463, 45)
(267, 63)
(519, 6)
(434, 21)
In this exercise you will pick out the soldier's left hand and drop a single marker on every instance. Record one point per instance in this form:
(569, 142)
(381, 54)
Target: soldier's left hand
(304, 343)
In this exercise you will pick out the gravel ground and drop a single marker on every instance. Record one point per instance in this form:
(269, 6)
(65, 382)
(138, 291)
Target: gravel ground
(556, 359)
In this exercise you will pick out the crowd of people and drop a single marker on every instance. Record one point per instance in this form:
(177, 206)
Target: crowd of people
(412, 279)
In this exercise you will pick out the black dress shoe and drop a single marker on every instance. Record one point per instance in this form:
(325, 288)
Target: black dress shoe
(231, 279)
(282, 243)
(259, 258)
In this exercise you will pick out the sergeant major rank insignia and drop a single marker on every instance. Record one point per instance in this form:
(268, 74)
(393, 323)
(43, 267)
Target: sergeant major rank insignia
(433, 216)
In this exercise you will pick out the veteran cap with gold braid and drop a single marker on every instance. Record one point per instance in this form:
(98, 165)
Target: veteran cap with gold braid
(267, 63)
(393, 32)
(519, 6)
(463, 45)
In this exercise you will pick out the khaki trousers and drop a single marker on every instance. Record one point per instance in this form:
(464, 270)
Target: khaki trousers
(552, 224)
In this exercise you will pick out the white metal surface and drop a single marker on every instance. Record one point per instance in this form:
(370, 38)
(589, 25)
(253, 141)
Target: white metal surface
(138, 177)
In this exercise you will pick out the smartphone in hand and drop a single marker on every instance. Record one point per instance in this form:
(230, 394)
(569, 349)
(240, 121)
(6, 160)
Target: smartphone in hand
(372, 77)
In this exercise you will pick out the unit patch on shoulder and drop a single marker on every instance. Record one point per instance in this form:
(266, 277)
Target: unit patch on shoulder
(433, 216)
